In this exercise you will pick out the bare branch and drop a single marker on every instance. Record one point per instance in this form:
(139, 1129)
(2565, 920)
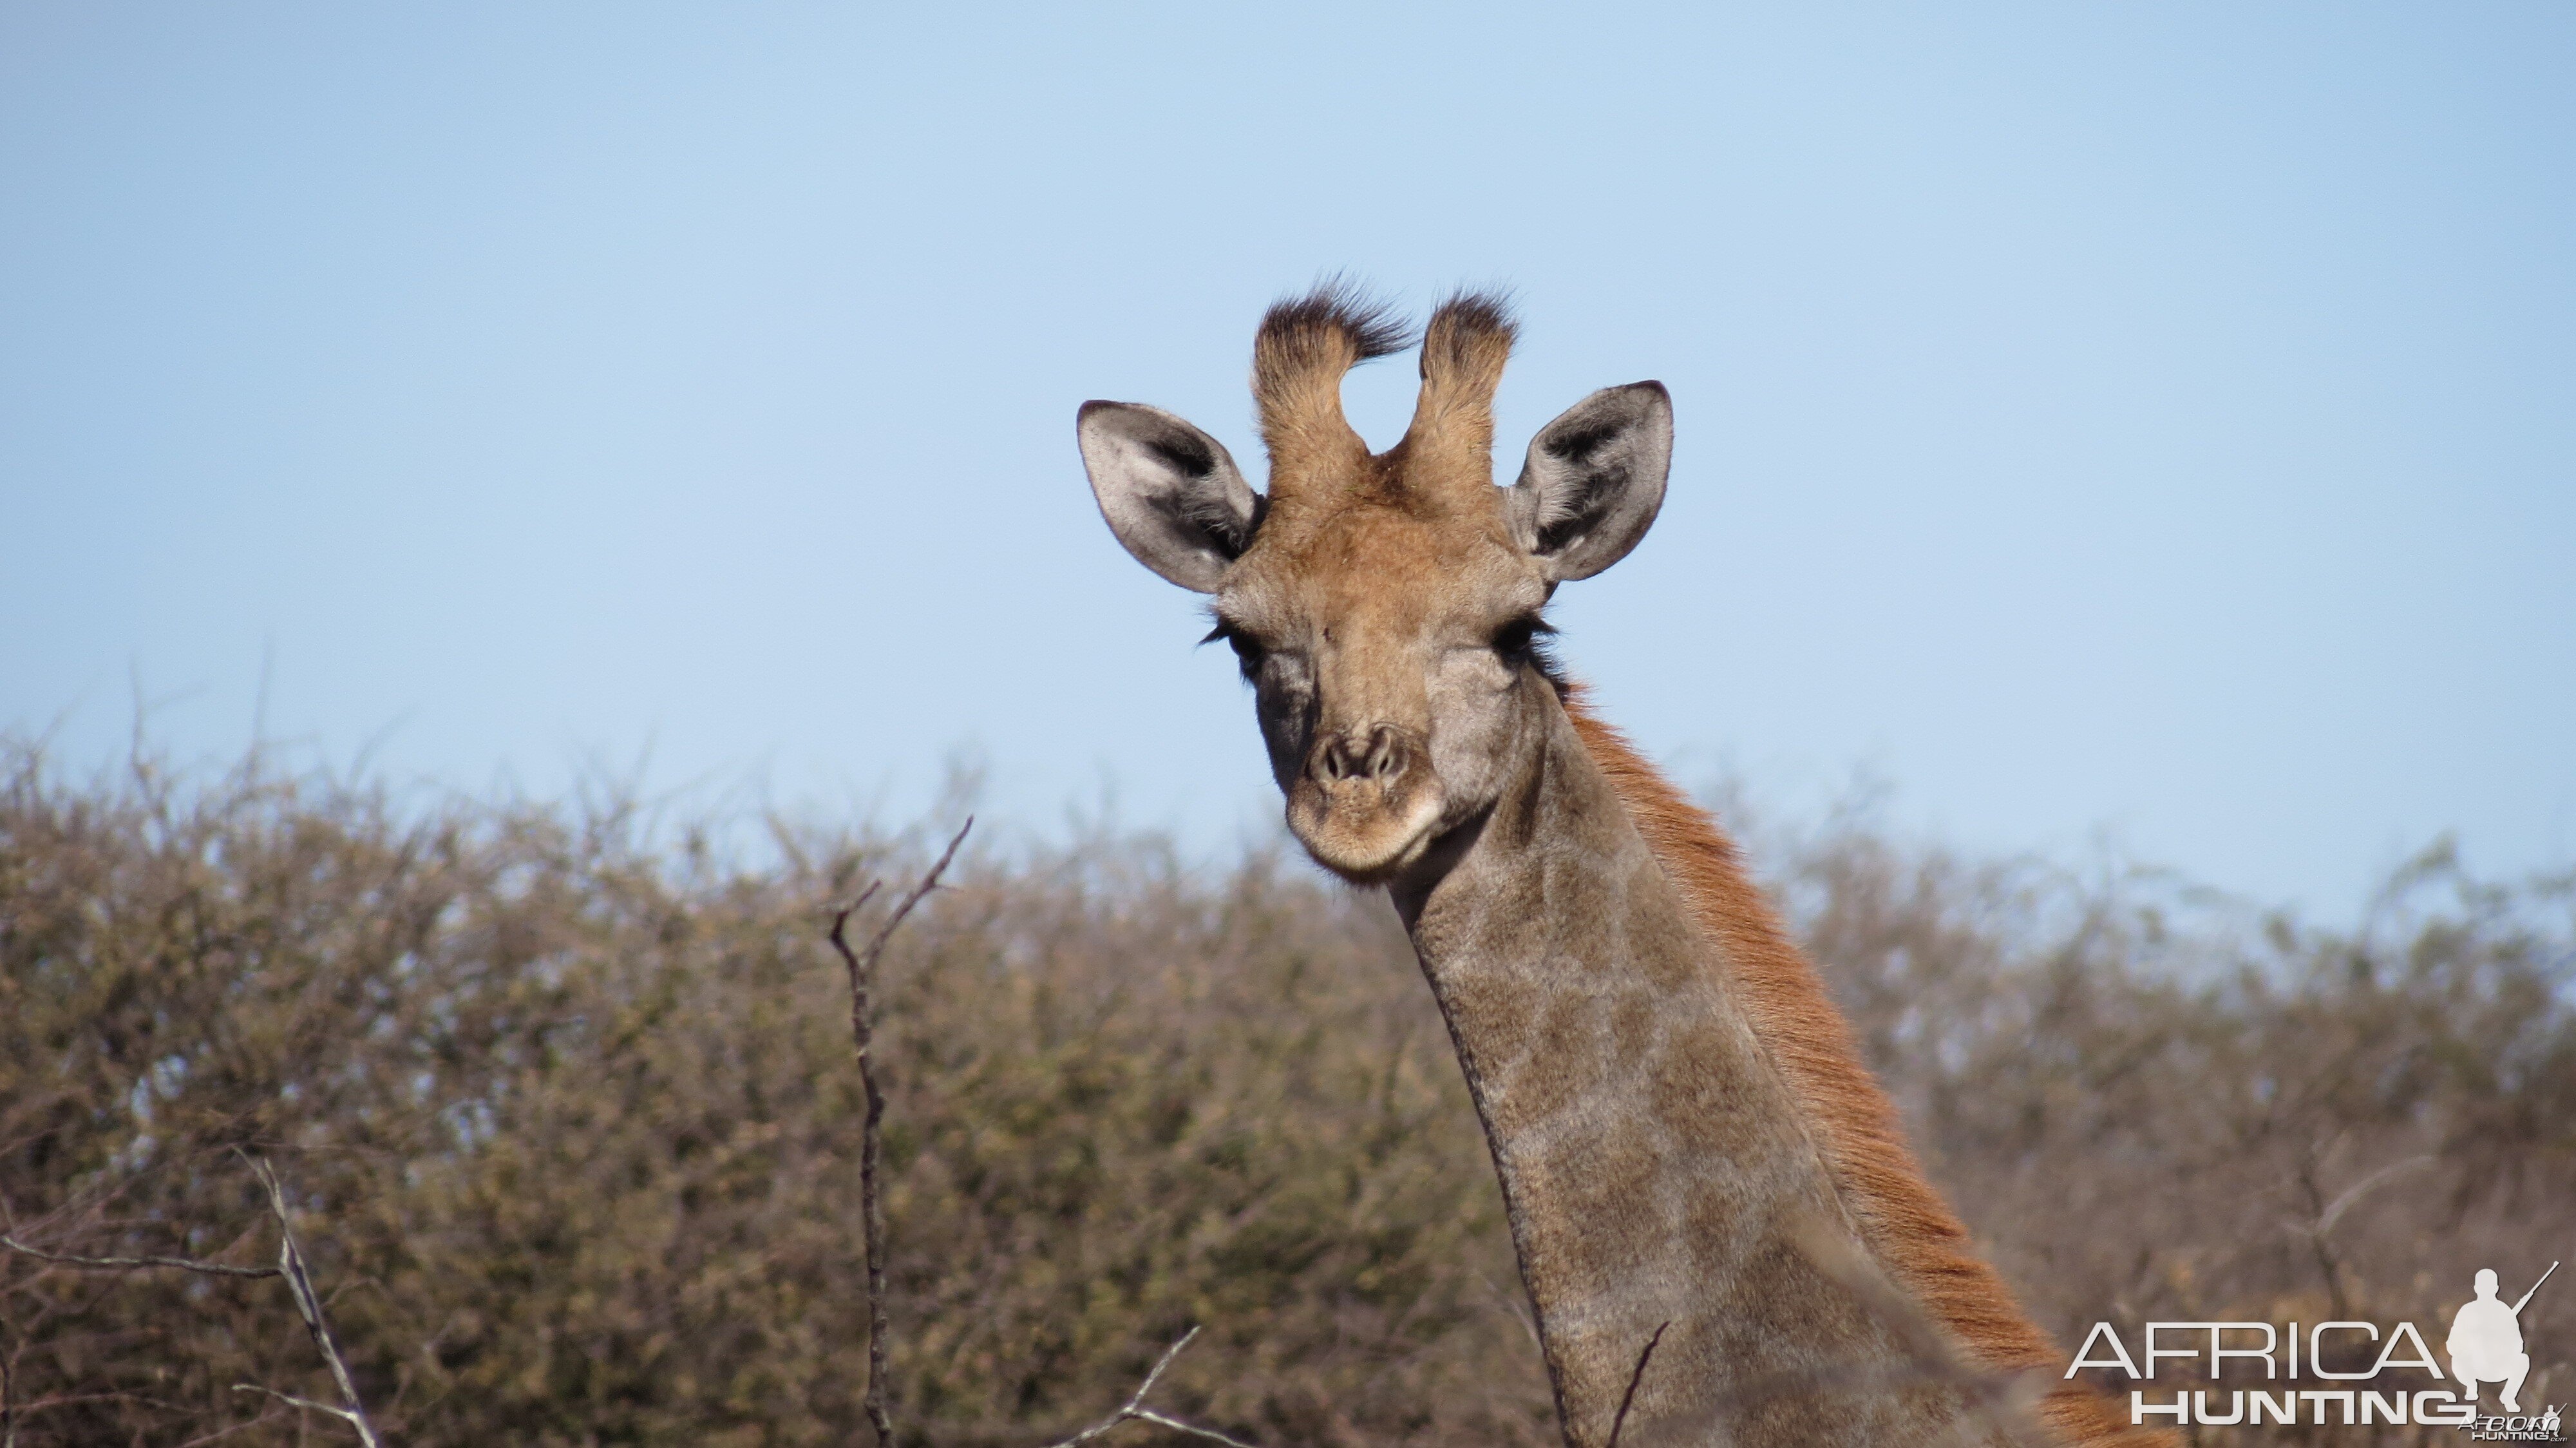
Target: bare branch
(342, 1413)
(308, 1304)
(128, 1264)
(2358, 1190)
(1134, 1409)
(862, 967)
(299, 1284)
(858, 904)
(220, 1434)
(1148, 1415)
(1636, 1375)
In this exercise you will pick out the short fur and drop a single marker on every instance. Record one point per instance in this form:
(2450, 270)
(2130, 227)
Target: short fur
(1907, 1224)
(1670, 1096)
(1305, 346)
(1449, 449)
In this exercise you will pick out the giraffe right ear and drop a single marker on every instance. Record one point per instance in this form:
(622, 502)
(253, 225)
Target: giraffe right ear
(1594, 480)
(1171, 493)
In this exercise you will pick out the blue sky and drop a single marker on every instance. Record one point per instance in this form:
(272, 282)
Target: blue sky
(2152, 422)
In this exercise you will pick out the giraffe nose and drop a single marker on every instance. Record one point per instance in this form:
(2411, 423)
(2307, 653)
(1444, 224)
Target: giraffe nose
(1367, 799)
(1350, 756)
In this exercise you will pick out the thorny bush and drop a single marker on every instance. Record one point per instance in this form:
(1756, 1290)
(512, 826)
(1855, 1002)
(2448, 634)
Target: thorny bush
(568, 1105)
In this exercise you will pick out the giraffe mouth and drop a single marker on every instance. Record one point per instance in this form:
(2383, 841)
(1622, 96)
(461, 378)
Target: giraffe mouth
(1364, 832)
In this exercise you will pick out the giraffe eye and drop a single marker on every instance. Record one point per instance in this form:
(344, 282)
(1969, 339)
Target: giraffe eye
(1518, 640)
(1248, 652)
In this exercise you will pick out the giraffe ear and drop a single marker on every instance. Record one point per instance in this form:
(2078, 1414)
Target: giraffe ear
(1171, 493)
(1594, 479)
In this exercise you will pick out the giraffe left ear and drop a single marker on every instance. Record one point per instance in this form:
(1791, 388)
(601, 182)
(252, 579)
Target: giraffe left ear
(1595, 480)
(1170, 492)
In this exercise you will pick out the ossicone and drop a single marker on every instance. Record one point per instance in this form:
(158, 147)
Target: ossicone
(1449, 449)
(1305, 346)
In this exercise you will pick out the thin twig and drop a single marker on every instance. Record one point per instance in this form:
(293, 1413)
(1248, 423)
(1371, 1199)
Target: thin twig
(2362, 1188)
(128, 1264)
(1636, 1375)
(220, 1434)
(299, 1285)
(353, 1419)
(862, 966)
(308, 1304)
(1134, 1408)
(1148, 1415)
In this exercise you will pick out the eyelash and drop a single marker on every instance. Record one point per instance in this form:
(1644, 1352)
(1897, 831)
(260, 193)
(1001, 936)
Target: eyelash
(1519, 639)
(1247, 654)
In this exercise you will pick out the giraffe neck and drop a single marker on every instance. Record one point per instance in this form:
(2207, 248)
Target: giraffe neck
(1658, 1168)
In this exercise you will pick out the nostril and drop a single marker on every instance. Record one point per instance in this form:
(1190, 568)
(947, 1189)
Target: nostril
(1335, 760)
(1377, 756)
(1386, 753)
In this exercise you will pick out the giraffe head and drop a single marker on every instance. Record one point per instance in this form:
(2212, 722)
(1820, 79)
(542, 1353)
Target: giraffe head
(1385, 606)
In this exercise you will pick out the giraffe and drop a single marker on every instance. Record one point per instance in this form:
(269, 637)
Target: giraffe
(1723, 1235)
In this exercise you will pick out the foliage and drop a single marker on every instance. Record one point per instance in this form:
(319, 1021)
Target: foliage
(2235, 1120)
(571, 1123)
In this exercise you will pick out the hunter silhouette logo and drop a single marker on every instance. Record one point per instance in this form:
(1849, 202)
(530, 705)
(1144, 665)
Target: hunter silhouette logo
(2363, 1372)
(2486, 1341)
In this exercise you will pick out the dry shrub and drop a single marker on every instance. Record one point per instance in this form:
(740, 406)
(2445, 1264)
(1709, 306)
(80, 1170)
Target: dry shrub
(574, 1127)
(568, 1106)
(2154, 1104)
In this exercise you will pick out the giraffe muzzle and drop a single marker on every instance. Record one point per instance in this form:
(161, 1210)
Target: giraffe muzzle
(1367, 802)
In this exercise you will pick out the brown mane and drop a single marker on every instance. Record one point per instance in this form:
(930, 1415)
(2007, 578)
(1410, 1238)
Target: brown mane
(1902, 1216)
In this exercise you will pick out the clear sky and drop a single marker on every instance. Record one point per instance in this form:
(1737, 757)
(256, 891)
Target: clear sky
(2146, 419)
